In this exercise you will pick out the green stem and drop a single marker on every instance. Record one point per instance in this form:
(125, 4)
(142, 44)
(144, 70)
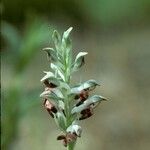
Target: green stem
(67, 74)
(71, 146)
(67, 80)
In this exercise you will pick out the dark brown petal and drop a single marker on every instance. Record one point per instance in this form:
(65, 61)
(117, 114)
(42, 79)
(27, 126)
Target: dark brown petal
(87, 89)
(68, 138)
(50, 85)
(54, 110)
(61, 137)
(64, 112)
(51, 114)
(77, 97)
(86, 113)
(65, 142)
(53, 85)
(83, 96)
(71, 137)
(79, 103)
(50, 108)
(46, 82)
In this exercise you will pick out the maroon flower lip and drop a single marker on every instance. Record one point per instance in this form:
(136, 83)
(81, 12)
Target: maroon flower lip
(82, 96)
(86, 113)
(68, 138)
(49, 84)
(50, 107)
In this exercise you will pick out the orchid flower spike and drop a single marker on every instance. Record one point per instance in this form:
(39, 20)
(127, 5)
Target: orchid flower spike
(67, 104)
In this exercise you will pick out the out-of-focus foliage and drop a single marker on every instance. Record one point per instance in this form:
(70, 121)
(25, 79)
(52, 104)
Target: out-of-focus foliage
(105, 12)
(115, 12)
(52, 8)
(24, 47)
(115, 33)
(21, 49)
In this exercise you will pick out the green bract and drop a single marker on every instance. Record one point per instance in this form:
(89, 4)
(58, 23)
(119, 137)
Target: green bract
(88, 85)
(51, 54)
(57, 40)
(67, 104)
(91, 102)
(79, 61)
(51, 78)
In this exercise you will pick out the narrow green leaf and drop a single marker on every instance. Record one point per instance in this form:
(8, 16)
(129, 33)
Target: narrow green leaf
(66, 40)
(57, 40)
(67, 47)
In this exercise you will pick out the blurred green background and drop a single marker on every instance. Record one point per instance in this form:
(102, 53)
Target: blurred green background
(115, 33)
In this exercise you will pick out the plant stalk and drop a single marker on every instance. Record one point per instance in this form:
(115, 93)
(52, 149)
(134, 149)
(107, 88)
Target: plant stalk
(71, 146)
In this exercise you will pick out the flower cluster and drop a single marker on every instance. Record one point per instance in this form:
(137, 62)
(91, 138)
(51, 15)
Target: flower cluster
(65, 103)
